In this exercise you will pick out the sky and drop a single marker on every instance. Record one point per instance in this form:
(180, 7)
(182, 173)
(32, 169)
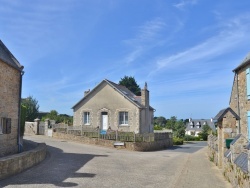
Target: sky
(184, 49)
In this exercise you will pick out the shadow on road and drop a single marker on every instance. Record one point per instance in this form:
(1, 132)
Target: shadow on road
(55, 169)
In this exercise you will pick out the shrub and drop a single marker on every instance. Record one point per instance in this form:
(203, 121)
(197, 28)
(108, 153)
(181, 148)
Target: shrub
(157, 127)
(177, 141)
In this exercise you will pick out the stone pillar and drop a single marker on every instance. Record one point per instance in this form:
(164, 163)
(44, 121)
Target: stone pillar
(46, 126)
(36, 125)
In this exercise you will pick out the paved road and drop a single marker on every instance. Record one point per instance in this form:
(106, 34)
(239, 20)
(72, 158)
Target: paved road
(71, 164)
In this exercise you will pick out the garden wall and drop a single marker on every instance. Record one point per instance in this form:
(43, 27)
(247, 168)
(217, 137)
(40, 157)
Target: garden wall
(133, 146)
(14, 164)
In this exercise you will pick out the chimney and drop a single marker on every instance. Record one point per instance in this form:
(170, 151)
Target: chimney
(86, 92)
(145, 96)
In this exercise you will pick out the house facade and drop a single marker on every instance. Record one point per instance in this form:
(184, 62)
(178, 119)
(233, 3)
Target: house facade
(240, 96)
(10, 96)
(112, 106)
(195, 126)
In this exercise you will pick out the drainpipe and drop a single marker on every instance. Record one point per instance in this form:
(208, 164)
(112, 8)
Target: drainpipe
(237, 85)
(19, 112)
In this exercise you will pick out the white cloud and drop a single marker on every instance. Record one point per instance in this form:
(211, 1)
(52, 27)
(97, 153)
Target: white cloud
(183, 3)
(146, 38)
(233, 34)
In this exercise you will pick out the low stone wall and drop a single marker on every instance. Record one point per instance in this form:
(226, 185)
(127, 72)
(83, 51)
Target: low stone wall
(137, 146)
(14, 164)
(235, 175)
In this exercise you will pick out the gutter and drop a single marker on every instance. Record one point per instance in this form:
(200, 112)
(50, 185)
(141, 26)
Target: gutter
(238, 100)
(19, 112)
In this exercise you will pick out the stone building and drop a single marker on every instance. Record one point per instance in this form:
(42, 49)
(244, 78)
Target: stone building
(113, 106)
(240, 96)
(10, 97)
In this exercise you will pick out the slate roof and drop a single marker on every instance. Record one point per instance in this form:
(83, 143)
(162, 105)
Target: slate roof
(7, 57)
(222, 113)
(235, 139)
(242, 162)
(192, 125)
(245, 61)
(123, 91)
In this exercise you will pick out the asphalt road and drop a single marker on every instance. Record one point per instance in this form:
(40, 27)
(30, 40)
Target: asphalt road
(70, 164)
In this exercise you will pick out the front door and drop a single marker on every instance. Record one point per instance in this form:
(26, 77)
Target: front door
(104, 120)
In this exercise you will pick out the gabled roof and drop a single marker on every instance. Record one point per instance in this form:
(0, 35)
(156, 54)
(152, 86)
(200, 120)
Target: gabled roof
(136, 100)
(192, 125)
(243, 63)
(7, 57)
(222, 113)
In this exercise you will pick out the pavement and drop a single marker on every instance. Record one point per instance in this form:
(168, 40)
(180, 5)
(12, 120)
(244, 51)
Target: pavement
(70, 164)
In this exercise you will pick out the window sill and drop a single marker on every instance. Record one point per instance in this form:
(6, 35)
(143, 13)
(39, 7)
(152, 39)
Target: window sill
(124, 125)
(87, 124)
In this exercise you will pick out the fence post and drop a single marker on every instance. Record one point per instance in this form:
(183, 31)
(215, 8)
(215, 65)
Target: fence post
(116, 136)
(134, 137)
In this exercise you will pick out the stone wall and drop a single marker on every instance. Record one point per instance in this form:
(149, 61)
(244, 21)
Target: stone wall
(238, 99)
(237, 173)
(9, 99)
(137, 146)
(14, 164)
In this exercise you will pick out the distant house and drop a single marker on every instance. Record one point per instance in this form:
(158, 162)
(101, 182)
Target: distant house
(10, 97)
(113, 106)
(194, 126)
(240, 96)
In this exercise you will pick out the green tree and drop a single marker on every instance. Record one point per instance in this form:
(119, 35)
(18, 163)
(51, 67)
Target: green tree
(32, 108)
(160, 121)
(179, 129)
(171, 122)
(130, 83)
(206, 130)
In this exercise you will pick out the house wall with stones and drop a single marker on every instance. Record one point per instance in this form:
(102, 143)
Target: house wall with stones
(9, 100)
(105, 99)
(238, 100)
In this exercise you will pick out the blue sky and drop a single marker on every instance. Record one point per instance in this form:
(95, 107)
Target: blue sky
(184, 49)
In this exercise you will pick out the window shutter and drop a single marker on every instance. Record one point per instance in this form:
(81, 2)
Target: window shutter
(248, 82)
(248, 124)
(8, 125)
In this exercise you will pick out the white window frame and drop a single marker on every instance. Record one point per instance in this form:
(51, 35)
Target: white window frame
(87, 120)
(123, 118)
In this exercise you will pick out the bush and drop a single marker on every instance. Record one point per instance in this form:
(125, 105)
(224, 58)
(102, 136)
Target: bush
(157, 127)
(177, 141)
(192, 138)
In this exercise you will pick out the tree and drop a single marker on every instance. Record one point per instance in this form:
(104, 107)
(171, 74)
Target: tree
(179, 129)
(206, 130)
(171, 122)
(160, 121)
(32, 108)
(130, 83)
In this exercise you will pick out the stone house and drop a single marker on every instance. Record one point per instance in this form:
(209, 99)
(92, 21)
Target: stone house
(10, 96)
(194, 126)
(113, 106)
(240, 96)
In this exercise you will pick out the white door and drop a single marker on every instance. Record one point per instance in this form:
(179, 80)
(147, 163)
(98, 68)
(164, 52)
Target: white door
(104, 122)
